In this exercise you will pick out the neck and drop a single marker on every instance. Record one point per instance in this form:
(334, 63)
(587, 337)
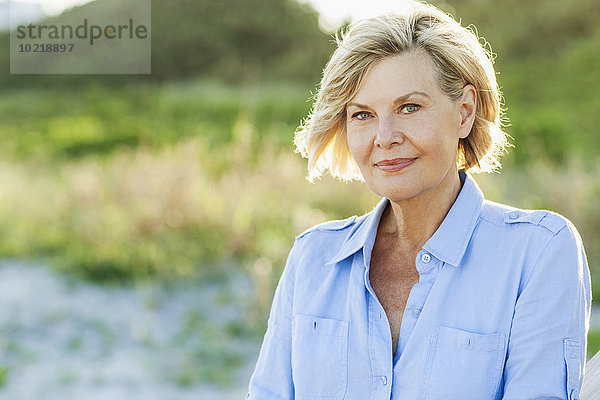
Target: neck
(413, 221)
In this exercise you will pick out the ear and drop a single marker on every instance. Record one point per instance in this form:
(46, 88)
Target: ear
(467, 109)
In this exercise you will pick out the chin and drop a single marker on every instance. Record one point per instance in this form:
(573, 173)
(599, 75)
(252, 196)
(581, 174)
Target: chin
(397, 191)
(400, 197)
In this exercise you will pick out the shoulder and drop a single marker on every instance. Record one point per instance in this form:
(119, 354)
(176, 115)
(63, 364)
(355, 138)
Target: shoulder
(539, 240)
(331, 227)
(321, 243)
(512, 218)
(532, 232)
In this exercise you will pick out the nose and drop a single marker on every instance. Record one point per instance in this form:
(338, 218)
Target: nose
(388, 133)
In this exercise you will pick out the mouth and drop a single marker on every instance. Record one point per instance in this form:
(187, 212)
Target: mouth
(395, 164)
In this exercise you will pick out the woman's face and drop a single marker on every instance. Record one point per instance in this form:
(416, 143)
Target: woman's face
(403, 130)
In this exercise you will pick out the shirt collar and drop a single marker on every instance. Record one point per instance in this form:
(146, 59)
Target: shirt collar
(448, 243)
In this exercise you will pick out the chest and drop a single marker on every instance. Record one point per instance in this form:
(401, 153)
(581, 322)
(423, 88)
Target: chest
(393, 287)
(392, 278)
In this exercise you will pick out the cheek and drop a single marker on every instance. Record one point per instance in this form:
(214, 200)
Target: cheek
(439, 142)
(445, 152)
(358, 143)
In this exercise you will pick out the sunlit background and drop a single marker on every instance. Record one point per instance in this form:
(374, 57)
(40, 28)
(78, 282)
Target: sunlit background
(332, 13)
(145, 219)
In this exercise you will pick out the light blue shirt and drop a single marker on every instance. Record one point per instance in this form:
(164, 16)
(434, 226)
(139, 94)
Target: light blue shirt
(501, 311)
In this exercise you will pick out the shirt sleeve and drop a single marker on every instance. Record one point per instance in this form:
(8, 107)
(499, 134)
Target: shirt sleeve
(547, 344)
(272, 377)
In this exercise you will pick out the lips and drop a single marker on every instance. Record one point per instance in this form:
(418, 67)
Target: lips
(395, 164)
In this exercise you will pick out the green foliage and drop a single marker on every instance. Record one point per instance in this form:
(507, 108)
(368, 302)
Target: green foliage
(233, 40)
(554, 116)
(187, 190)
(593, 343)
(3, 375)
(546, 58)
(237, 38)
(52, 124)
(518, 29)
(548, 67)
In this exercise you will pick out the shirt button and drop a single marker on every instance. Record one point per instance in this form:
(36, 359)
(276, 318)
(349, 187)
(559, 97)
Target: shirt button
(416, 312)
(425, 258)
(384, 380)
(513, 215)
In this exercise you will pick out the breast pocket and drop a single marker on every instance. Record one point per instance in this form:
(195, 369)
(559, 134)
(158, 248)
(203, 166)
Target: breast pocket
(319, 357)
(463, 365)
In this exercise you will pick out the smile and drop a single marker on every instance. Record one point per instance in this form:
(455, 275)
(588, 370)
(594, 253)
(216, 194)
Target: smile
(395, 164)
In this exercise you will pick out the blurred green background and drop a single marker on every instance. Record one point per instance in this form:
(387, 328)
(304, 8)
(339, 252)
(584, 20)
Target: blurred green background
(189, 173)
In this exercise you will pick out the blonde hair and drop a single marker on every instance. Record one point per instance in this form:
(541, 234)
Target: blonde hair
(459, 59)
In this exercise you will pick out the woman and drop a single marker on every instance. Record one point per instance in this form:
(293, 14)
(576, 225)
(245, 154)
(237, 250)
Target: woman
(437, 293)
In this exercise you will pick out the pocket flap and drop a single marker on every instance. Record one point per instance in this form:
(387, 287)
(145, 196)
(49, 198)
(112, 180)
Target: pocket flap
(308, 324)
(477, 342)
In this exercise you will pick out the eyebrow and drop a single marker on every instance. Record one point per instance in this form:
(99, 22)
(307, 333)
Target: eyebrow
(396, 101)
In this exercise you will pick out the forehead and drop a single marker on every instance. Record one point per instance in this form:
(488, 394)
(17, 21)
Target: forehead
(412, 71)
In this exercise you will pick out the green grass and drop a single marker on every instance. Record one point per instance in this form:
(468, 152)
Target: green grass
(98, 121)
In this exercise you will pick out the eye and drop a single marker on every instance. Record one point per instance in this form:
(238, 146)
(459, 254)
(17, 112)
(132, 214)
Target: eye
(361, 115)
(409, 108)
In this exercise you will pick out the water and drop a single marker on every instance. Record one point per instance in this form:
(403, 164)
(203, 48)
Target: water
(66, 339)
